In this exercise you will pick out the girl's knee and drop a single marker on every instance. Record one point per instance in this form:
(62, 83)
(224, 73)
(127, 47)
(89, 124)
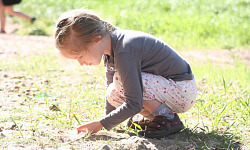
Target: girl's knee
(183, 106)
(109, 92)
(114, 97)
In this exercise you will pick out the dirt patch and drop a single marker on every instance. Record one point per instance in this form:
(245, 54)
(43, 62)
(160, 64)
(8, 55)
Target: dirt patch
(218, 57)
(13, 45)
(184, 140)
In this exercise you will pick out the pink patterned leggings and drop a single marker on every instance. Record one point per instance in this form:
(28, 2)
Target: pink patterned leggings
(179, 96)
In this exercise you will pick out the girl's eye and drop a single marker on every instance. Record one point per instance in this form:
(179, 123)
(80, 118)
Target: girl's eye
(79, 57)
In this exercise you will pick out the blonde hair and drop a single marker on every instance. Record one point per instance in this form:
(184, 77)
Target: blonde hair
(81, 24)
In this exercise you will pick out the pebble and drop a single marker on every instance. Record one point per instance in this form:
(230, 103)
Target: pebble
(2, 135)
(106, 147)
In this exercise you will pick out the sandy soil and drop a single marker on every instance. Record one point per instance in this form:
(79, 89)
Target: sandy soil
(13, 45)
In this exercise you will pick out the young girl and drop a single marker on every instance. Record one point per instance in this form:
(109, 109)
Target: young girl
(144, 75)
(7, 6)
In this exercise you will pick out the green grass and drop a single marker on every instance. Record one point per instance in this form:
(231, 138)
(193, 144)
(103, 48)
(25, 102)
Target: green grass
(184, 24)
(224, 97)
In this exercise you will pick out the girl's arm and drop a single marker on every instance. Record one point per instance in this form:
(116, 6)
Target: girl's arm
(129, 69)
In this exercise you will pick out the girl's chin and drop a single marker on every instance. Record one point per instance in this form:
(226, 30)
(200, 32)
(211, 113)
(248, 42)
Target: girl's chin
(93, 64)
(96, 63)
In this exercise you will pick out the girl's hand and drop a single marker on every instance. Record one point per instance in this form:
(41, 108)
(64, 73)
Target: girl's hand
(91, 127)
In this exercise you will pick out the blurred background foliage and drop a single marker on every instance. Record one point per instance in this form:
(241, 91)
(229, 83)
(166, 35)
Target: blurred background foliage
(183, 24)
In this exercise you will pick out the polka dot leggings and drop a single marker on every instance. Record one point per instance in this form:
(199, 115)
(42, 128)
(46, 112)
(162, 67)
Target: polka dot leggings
(179, 96)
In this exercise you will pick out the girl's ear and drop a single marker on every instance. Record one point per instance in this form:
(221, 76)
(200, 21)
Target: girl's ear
(97, 38)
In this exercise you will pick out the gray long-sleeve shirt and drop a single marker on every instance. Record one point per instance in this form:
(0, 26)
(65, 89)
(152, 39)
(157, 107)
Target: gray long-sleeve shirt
(133, 52)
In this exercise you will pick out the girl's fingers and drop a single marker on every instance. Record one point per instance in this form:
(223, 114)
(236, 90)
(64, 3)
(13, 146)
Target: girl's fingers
(82, 129)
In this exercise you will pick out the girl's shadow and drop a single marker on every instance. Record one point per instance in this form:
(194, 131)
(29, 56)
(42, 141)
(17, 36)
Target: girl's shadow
(187, 139)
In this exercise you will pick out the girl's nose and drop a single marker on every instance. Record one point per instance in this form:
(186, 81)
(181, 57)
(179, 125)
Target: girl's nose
(81, 63)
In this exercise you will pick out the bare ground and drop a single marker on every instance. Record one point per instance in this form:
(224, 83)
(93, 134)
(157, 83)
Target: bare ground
(12, 45)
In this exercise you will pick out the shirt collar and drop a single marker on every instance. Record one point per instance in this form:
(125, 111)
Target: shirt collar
(110, 58)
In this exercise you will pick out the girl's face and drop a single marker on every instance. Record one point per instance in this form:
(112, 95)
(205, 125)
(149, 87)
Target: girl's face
(90, 56)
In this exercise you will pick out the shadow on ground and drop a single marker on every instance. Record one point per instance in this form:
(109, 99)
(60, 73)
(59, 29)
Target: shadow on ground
(185, 140)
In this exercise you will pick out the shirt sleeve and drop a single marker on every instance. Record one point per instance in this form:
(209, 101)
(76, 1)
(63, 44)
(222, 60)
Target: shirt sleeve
(129, 69)
(109, 80)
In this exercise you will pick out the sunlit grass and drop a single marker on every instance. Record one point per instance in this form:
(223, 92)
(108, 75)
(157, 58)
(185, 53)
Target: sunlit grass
(223, 99)
(183, 24)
